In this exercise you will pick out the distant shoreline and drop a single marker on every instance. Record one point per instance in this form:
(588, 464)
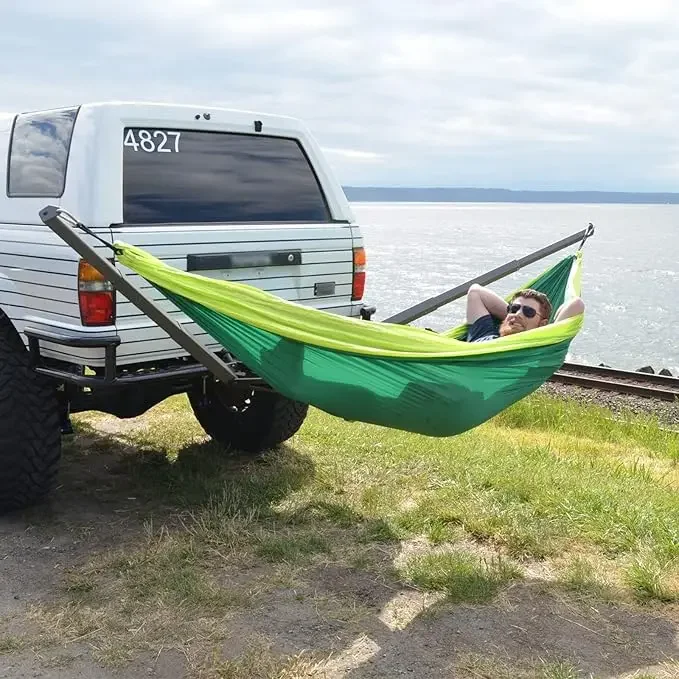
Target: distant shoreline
(471, 195)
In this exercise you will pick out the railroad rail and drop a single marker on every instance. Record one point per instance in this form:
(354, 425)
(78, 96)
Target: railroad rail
(649, 385)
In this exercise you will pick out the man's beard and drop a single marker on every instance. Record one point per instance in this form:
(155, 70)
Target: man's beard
(507, 329)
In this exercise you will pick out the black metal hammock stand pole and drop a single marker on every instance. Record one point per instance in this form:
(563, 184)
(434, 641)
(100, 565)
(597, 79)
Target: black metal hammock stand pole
(65, 225)
(428, 305)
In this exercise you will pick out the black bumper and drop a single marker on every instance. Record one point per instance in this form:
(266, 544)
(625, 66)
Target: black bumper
(112, 376)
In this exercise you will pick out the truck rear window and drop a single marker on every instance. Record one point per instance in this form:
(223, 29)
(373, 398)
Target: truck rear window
(181, 176)
(39, 153)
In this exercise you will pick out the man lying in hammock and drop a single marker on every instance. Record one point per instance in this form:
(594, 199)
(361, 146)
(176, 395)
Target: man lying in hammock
(489, 316)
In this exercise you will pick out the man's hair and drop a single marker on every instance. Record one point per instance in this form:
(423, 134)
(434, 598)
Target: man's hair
(539, 297)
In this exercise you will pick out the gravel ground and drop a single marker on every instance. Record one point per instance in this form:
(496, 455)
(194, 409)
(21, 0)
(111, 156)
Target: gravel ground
(667, 412)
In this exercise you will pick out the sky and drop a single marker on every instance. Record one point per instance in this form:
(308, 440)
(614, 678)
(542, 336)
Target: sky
(521, 94)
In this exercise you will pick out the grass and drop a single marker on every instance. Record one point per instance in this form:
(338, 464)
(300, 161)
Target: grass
(649, 578)
(560, 670)
(591, 501)
(473, 665)
(461, 576)
(10, 644)
(290, 547)
(592, 423)
(587, 576)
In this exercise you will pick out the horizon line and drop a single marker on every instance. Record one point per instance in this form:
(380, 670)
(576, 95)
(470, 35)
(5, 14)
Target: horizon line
(402, 187)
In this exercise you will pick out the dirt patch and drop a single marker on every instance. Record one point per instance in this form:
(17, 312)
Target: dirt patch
(77, 663)
(86, 514)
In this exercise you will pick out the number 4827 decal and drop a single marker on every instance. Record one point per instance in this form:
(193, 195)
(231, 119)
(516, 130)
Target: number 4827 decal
(153, 141)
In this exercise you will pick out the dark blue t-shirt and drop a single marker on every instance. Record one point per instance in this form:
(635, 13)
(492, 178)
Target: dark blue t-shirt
(483, 329)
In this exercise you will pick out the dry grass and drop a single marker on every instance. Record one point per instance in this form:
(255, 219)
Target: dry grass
(487, 666)
(258, 661)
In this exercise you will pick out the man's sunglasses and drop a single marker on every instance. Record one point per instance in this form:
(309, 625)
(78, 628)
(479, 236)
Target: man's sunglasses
(528, 311)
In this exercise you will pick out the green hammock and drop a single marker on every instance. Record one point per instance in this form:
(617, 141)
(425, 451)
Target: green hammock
(397, 376)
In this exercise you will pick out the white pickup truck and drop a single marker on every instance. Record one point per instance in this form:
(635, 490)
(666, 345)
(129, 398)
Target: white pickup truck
(223, 193)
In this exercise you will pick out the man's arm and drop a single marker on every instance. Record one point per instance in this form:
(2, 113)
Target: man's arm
(573, 308)
(482, 301)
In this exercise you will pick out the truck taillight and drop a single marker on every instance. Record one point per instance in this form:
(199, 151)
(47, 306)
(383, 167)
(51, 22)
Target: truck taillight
(95, 296)
(358, 282)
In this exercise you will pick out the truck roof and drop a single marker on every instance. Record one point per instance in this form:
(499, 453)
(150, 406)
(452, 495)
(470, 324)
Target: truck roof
(94, 166)
(149, 109)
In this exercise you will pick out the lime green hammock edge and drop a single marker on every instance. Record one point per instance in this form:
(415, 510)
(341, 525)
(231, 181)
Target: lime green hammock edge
(397, 376)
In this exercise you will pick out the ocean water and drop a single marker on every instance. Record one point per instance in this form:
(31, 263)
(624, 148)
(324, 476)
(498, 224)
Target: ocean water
(630, 269)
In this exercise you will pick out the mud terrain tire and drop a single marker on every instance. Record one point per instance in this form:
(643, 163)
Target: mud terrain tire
(252, 423)
(30, 433)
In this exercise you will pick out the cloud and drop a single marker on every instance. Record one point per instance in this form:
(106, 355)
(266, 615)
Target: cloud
(520, 93)
(614, 12)
(354, 154)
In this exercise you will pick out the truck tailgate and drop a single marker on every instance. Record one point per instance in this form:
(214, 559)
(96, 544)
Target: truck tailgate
(310, 264)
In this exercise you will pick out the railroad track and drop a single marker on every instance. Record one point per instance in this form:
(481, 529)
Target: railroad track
(648, 385)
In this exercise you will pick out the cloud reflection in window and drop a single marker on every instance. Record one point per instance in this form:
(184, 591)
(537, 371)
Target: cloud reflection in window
(39, 153)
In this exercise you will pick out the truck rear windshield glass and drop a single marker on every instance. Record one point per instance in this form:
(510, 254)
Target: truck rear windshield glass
(39, 153)
(180, 176)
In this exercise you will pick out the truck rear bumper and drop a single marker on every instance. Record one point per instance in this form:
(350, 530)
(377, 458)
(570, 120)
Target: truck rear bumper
(114, 376)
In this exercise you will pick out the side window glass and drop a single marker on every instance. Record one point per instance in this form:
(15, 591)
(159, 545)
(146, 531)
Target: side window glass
(39, 153)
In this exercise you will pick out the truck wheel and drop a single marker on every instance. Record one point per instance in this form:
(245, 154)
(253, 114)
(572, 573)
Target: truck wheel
(245, 419)
(30, 433)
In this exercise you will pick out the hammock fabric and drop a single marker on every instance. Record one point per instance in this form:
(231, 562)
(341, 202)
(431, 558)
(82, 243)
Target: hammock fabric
(397, 376)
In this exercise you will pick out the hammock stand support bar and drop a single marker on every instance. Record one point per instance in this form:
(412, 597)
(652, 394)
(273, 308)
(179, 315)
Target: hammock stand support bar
(428, 305)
